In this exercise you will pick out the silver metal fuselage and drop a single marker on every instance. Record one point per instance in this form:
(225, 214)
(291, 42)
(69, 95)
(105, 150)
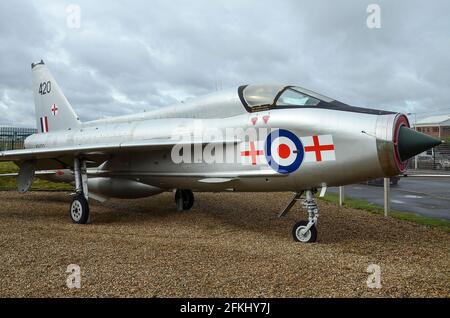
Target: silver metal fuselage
(363, 147)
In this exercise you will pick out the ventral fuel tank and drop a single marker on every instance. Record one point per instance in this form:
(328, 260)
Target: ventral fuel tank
(121, 188)
(108, 187)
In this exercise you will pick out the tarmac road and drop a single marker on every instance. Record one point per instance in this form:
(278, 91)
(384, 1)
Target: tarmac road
(425, 196)
(228, 245)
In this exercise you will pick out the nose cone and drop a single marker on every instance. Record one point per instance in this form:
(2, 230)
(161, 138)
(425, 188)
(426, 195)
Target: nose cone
(411, 143)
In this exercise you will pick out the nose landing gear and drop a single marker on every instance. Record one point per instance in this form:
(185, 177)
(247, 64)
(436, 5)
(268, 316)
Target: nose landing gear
(305, 231)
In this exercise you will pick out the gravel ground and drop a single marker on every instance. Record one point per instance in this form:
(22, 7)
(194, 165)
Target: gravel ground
(228, 245)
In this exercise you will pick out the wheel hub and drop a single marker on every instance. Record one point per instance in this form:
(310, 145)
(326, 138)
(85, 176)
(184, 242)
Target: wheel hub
(303, 235)
(76, 210)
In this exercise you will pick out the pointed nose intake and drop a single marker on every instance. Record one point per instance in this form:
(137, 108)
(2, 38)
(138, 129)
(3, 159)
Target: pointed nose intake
(397, 142)
(411, 142)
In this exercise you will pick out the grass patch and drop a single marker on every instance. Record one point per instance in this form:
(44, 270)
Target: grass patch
(376, 209)
(9, 183)
(7, 167)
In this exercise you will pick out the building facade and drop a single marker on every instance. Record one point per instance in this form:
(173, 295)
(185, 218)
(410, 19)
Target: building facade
(436, 126)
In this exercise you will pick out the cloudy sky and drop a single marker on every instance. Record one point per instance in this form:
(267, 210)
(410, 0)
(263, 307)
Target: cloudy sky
(129, 56)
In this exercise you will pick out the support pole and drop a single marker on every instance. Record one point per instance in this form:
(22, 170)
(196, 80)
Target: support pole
(387, 200)
(341, 195)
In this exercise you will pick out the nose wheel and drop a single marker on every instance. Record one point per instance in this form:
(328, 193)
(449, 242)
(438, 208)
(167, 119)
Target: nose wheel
(184, 199)
(301, 234)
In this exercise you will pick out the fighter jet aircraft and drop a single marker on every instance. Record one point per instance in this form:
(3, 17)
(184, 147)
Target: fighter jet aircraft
(252, 138)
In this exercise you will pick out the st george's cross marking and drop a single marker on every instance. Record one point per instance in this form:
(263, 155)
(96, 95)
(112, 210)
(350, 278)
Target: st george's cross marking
(284, 152)
(253, 153)
(319, 148)
(54, 110)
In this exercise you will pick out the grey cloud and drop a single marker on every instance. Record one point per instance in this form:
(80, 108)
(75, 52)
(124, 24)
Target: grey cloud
(138, 55)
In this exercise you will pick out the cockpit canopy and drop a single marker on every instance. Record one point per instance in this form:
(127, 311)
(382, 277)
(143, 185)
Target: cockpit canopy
(263, 97)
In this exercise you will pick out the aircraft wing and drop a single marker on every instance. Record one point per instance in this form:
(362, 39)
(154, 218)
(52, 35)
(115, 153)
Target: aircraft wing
(94, 150)
(62, 157)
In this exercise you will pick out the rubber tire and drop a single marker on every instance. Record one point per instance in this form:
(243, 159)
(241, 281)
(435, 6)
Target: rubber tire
(190, 202)
(188, 199)
(84, 205)
(313, 231)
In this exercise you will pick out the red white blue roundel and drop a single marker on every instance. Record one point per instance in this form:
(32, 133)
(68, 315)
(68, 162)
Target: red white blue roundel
(284, 151)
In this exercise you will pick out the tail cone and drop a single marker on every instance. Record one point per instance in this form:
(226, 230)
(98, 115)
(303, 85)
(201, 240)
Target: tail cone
(411, 143)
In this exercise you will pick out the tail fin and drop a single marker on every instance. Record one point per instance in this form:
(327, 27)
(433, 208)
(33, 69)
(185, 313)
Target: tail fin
(53, 111)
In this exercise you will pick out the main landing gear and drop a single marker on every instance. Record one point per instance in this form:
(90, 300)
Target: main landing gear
(184, 199)
(305, 231)
(79, 208)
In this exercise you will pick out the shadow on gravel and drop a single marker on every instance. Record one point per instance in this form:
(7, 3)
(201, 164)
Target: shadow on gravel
(219, 213)
(250, 213)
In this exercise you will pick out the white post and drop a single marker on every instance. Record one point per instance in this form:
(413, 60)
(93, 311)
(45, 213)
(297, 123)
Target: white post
(387, 200)
(415, 128)
(341, 195)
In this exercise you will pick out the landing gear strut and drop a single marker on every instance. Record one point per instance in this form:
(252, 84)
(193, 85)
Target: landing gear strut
(79, 208)
(184, 199)
(305, 231)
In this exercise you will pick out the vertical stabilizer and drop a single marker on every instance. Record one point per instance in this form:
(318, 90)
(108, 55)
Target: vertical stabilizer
(53, 110)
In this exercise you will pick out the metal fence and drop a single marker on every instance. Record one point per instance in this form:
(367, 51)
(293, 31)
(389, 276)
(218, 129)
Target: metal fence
(437, 158)
(14, 137)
